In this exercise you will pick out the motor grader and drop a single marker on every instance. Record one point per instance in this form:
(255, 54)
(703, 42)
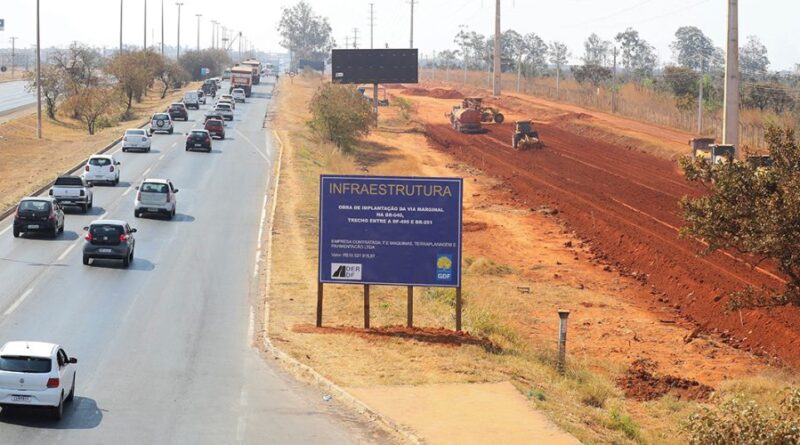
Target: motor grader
(525, 136)
(488, 114)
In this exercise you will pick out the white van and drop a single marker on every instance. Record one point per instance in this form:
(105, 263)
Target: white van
(191, 100)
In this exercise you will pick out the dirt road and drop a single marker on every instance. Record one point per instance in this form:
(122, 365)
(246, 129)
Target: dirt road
(625, 204)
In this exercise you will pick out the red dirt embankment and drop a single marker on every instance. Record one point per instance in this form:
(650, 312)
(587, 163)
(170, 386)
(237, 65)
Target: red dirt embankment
(438, 93)
(625, 204)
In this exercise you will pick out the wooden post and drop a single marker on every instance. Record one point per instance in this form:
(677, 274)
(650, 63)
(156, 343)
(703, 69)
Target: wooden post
(366, 306)
(410, 316)
(319, 304)
(458, 308)
(562, 339)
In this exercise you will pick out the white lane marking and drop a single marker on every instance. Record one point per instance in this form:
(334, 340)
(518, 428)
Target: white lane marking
(128, 190)
(255, 264)
(19, 301)
(251, 326)
(162, 156)
(66, 252)
(5, 230)
(144, 174)
(252, 145)
(240, 423)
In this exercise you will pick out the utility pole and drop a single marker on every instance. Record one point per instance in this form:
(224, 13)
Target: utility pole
(198, 31)
(371, 23)
(497, 69)
(240, 47)
(179, 30)
(162, 28)
(120, 26)
(614, 85)
(13, 41)
(355, 38)
(700, 99)
(411, 45)
(730, 126)
(145, 26)
(38, 77)
(213, 33)
(346, 42)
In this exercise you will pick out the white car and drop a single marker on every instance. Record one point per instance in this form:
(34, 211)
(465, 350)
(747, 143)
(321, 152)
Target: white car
(227, 98)
(102, 168)
(191, 100)
(136, 139)
(224, 109)
(238, 95)
(161, 122)
(36, 374)
(155, 196)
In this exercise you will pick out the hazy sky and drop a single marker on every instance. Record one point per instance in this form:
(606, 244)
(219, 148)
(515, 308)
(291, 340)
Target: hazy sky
(437, 21)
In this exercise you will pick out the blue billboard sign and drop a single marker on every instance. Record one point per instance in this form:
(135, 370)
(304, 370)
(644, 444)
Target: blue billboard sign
(390, 230)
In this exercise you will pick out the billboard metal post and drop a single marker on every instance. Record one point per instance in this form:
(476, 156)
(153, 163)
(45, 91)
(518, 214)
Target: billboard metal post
(319, 304)
(375, 101)
(366, 306)
(458, 308)
(410, 315)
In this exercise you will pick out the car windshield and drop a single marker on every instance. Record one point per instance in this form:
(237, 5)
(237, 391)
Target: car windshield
(153, 187)
(225, 107)
(25, 364)
(135, 132)
(214, 123)
(161, 117)
(199, 134)
(176, 107)
(100, 162)
(36, 206)
(105, 230)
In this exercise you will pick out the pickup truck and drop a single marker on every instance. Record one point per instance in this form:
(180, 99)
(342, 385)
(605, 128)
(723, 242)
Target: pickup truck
(72, 191)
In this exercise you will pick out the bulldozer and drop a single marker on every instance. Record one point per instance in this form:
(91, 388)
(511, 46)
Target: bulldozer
(488, 114)
(525, 137)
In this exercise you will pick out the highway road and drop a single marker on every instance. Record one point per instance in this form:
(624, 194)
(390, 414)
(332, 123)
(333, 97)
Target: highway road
(13, 96)
(165, 348)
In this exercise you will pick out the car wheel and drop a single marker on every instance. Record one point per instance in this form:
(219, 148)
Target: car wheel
(171, 130)
(172, 214)
(136, 214)
(116, 181)
(55, 232)
(187, 148)
(71, 395)
(91, 202)
(61, 230)
(86, 259)
(124, 149)
(222, 137)
(84, 208)
(148, 149)
(16, 233)
(58, 411)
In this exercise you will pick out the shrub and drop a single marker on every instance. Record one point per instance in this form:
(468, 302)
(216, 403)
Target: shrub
(340, 114)
(737, 421)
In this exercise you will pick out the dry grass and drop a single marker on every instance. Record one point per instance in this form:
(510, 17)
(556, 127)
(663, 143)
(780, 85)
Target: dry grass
(27, 163)
(510, 298)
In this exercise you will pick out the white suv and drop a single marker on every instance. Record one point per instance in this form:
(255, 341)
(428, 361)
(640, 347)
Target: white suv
(161, 122)
(102, 168)
(36, 374)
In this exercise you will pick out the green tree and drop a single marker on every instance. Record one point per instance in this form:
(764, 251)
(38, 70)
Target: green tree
(596, 51)
(683, 83)
(305, 34)
(132, 73)
(753, 211)
(340, 114)
(534, 51)
(638, 56)
(94, 102)
(558, 54)
(53, 87)
(693, 49)
(753, 59)
(171, 75)
(594, 75)
(215, 60)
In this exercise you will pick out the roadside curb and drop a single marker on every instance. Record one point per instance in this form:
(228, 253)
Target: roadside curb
(300, 368)
(7, 212)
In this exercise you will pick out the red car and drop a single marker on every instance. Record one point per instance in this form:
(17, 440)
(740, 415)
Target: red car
(215, 127)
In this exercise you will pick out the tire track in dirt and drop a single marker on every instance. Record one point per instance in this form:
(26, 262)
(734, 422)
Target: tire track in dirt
(625, 203)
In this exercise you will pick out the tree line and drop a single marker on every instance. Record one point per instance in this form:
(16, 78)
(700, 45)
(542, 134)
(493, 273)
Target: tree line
(695, 60)
(100, 91)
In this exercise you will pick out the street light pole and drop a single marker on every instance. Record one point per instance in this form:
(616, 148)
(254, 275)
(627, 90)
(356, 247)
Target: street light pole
(38, 77)
(145, 26)
(162, 28)
(179, 30)
(213, 34)
(198, 31)
(120, 26)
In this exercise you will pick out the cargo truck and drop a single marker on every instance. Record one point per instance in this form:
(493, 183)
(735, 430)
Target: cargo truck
(242, 77)
(255, 65)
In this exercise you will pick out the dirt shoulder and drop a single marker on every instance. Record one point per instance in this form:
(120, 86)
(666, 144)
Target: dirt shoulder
(521, 264)
(28, 163)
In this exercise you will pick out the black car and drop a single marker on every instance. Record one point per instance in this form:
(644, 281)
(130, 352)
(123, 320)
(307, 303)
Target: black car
(43, 215)
(198, 139)
(178, 111)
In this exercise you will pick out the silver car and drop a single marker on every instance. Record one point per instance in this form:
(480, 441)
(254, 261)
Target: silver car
(109, 239)
(224, 110)
(155, 196)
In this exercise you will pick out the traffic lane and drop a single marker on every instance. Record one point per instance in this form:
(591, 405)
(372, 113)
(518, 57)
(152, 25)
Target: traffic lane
(202, 317)
(13, 95)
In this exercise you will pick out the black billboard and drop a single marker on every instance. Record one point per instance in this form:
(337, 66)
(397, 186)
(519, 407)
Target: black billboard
(374, 66)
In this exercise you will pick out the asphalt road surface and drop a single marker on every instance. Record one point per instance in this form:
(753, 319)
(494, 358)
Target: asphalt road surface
(13, 96)
(164, 348)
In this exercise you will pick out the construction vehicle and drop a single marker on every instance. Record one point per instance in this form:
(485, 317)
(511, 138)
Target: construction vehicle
(465, 120)
(761, 162)
(242, 77)
(706, 150)
(525, 137)
(255, 65)
(488, 114)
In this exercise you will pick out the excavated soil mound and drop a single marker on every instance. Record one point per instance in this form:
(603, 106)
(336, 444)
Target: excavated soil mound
(438, 93)
(440, 336)
(641, 383)
(624, 204)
